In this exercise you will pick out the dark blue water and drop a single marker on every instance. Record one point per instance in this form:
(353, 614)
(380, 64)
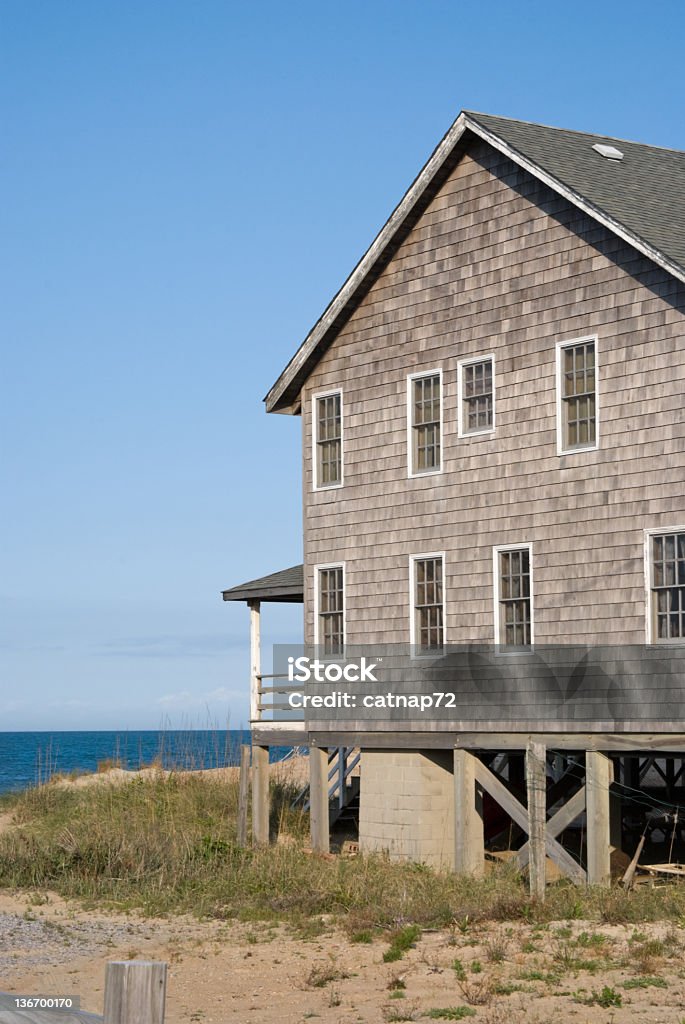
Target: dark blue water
(29, 758)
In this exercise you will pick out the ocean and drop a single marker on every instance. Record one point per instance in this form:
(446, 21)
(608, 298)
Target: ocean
(30, 758)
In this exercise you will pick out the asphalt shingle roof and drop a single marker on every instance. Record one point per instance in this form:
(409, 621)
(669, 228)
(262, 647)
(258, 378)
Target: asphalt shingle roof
(641, 198)
(286, 585)
(645, 192)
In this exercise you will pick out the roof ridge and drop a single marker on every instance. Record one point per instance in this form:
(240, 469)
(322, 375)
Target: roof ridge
(573, 131)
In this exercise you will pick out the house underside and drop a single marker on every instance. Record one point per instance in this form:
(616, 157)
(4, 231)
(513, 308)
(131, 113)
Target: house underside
(575, 801)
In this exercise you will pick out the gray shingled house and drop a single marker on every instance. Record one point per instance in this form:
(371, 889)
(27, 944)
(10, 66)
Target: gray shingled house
(494, 453)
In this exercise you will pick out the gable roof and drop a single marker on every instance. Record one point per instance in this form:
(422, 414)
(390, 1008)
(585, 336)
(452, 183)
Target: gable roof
(641, 198)
(286, 585)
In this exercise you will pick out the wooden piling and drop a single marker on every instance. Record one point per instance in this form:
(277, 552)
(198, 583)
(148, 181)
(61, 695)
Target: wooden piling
(598, 778)
(318, 799)
(536, 785)
(135, 991)
(260, 795)
(243, 793)
(469, 856)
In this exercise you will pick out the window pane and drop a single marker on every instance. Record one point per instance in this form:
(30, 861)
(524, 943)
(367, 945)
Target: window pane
(426, 423)
(578, 396)
(428, 609)
(329, 440)
(477, 396)
(514, 597)
(668, 586)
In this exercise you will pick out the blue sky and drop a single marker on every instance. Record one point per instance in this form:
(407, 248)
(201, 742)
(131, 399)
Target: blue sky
(185, 185)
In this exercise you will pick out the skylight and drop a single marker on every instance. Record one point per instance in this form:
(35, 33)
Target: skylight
(609, 152)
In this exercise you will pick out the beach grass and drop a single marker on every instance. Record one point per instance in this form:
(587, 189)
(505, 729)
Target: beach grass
(167, 844)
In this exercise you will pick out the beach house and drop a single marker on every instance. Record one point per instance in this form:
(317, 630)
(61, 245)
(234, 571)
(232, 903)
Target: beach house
(494, 454)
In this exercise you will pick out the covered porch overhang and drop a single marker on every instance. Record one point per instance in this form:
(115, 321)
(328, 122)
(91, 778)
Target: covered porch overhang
(286, 586)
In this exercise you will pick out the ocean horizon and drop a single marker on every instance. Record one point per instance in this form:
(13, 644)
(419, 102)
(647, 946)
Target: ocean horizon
(32, 758)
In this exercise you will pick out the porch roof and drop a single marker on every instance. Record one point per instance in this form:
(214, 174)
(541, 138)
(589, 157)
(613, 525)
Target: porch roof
(286, 585)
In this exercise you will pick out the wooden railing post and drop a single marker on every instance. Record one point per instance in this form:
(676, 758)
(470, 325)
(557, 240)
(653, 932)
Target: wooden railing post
(135, 991)
(255, 660)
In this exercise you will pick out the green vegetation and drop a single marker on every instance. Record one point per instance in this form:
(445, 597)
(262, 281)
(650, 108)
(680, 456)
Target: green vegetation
(401, 941)
(452, 1013)
(167, 844)
(606, 998)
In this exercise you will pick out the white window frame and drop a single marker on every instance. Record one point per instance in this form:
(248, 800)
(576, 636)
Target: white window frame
(496, 593)
(649, 614)
(329, 565)
(316, 486)
(461, 405)
(411, 377)
(560, 346)
(413, 559)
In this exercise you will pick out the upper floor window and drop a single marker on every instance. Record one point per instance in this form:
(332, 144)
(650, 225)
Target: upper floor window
(512, 567)
(427, 603)
(330, 608)
(666, 552)
(424, 422)
(327, 425)
(476, 385)
(577, 406)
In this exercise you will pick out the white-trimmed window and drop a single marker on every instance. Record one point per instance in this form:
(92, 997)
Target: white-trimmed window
(513, 591)
(427, 602)
(327, 428)
(329, 608)
(577, 395)
(476, 387)
(424, 422)
(665, 572)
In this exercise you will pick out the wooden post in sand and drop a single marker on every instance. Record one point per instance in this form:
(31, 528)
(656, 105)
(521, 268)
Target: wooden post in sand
(243, 793)
(134, 992)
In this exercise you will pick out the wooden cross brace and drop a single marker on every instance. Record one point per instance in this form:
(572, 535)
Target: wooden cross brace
(554, 827)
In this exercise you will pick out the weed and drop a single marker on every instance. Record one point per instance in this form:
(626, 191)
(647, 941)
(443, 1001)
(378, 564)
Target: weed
(320, 976)
(459, 970)
(401, 940)
(363, 937)
(606, 998)
(451, 1013)
(646, 982)
(496, 950)
(476, 991)
(393, 1013)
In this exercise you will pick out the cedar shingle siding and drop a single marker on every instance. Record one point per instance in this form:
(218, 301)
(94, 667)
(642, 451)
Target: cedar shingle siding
(499, 263)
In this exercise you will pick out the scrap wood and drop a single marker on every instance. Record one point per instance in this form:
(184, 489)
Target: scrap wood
(677, 870)
(627, 879)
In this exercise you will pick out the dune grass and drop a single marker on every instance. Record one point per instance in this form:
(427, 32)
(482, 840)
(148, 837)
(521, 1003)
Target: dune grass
(167, 845)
